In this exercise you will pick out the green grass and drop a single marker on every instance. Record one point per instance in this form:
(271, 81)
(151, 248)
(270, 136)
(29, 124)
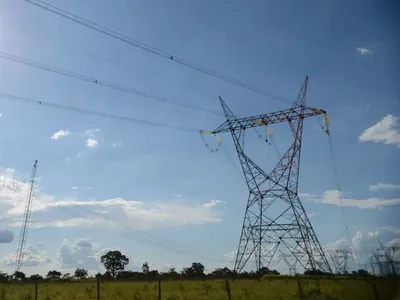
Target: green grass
(266, 289)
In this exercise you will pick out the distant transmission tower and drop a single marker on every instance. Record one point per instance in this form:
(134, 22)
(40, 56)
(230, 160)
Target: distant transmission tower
(385, 260)
(290, 262)
(340, 259)
(26, 218)
(265, 229)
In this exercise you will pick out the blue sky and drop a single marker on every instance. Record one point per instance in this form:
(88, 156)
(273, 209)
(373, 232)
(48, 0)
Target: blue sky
(162, 197)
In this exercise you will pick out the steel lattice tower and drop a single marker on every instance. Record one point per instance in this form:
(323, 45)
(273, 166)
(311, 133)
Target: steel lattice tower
(264, 232)
(25, 222)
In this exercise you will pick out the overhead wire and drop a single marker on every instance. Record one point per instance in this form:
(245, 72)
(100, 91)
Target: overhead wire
(163, 54)
(100, 82)
(41, 103)
(338, 186)
(151, 240)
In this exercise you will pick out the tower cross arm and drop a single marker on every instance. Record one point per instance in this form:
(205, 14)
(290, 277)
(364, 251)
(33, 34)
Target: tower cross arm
(286, 115)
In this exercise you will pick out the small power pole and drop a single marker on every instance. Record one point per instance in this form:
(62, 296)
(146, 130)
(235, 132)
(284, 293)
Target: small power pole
(26, 218)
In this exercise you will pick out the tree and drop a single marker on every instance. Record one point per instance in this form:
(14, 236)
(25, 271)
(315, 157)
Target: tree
(114, 262)
(53, 274)
(363, 272)
(81, 273)
(145, 268)
(35, 277)
(4, 277)
(222, 272)
(196, 270)
(19, 275)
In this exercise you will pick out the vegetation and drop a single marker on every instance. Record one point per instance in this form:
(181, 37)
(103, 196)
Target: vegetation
(192, 283)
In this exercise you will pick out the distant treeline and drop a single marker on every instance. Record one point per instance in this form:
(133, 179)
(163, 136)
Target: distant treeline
(115, 263)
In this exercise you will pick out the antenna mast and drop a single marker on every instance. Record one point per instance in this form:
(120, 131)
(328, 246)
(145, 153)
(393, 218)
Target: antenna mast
(26, 218)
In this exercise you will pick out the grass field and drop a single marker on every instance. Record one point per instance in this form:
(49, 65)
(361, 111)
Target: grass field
(274, 289)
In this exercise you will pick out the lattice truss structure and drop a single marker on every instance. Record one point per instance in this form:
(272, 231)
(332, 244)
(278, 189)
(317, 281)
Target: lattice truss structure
(385, 261)
(340, 259)
(265, 229)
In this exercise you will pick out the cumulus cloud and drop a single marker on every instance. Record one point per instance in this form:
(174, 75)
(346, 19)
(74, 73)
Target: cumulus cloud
(81, 253)
(49, 211)
(91, 142)
(361, 245)
(364, 51)
(59, 134)
(385, 131)
(6, 236)
(335, 197)
(384, 186)
(32, 257)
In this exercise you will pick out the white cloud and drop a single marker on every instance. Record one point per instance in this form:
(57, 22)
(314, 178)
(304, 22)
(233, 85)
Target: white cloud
(116, 144)
(80, 254)
(49, 211)
(385, 131)
(32, 257)
(383, 186)
(1, 115)
(361, 245)
(393, 229)
(335, 197)
(213, 203)
(91, 132)
(313, 214)
(92, 143)
(59, 134)
(307, 195)
(364, 51)
(74, 188)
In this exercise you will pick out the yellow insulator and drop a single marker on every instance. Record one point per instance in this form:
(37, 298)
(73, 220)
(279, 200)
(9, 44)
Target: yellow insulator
(326, 120)
(268, 131)
(326, 123)
(205, 132)
(258, 121)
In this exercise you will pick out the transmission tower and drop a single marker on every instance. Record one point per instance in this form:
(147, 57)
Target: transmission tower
(385, 260)
(26, 218)
(340, 259)
(264, 231)
(290, 262)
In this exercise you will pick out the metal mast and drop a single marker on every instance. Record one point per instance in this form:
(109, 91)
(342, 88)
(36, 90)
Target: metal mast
(26, 218)
(340, 259)
(264, 229)
(288, 258)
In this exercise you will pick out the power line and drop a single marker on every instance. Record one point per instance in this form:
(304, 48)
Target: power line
(153, 240)
(163, 54)
(91, 112)
(104, 83)
(338, 187)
